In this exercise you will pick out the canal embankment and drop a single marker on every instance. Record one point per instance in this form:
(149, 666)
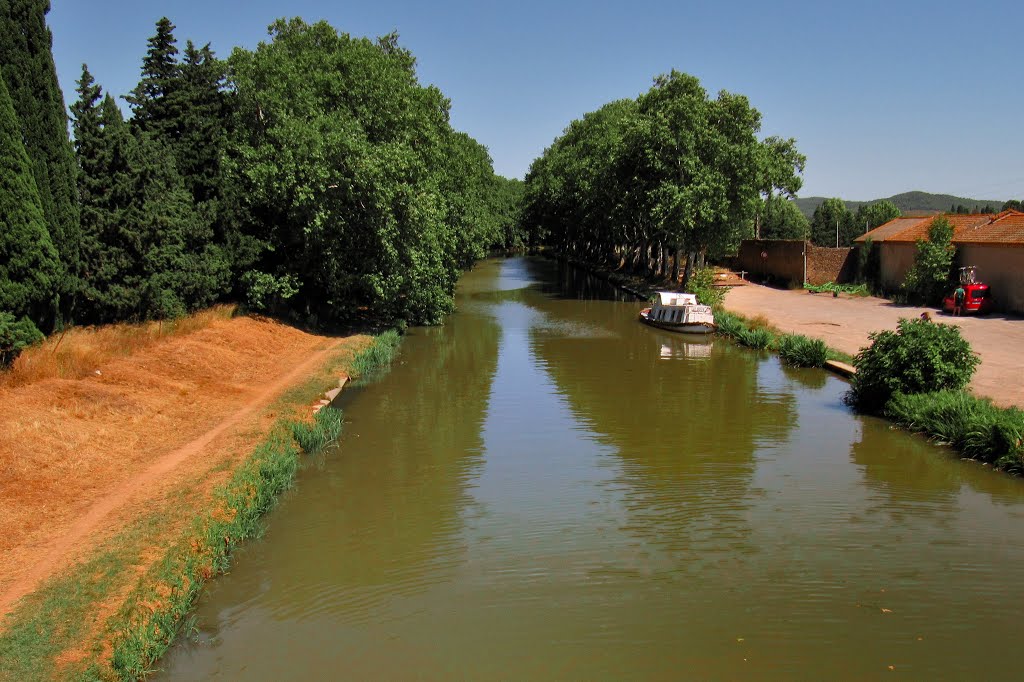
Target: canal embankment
(132, 470)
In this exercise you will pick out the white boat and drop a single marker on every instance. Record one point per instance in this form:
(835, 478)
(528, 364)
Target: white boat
(678, 312)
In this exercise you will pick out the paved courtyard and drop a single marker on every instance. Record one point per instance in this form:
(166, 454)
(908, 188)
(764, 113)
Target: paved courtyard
(845, 322)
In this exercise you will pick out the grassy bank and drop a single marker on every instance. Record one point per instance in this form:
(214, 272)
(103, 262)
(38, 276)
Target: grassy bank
(973, 426)
(57, 632)
(758, 333)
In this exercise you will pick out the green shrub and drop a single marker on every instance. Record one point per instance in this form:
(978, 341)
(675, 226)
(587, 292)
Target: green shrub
(702, 284)
(263, 290)
(15, 336)
(832, 287)
(974, 426)
(800, 351)
(927, 280)
(919, 357)
(759, 339)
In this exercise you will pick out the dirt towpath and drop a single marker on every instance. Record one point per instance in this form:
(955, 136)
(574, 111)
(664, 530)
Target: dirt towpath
(845, 322)
(81, 458)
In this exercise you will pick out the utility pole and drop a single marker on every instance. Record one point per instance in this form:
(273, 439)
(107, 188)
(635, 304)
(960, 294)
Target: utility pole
(837, 232)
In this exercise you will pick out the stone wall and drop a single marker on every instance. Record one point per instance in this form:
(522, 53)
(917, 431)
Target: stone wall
(828, 264)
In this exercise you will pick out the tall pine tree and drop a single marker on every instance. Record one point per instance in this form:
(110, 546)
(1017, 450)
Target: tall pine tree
(31, 78)
(203, 110)
(29, 266)
(97, 174)
(155, 101)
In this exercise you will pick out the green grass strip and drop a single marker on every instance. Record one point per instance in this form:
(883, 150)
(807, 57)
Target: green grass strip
(795, 350)
(154, 613)
(371, 363)
(60, 612)
(972, 425)
(322, 433)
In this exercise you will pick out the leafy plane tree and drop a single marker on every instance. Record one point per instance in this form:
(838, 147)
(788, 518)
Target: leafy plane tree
(354, 181)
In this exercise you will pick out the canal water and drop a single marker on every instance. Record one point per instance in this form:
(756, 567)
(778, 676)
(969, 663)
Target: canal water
(546, 489)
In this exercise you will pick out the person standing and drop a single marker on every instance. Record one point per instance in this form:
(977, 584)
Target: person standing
(958, 300)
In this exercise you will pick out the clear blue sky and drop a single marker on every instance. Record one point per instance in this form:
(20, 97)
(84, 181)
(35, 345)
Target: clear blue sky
(882, 97)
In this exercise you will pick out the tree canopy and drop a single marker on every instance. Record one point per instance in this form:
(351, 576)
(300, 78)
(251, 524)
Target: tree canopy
(351, 177)
(664, 179)
(314, 176)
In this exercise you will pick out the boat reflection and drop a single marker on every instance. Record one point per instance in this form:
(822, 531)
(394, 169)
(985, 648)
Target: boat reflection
(689, 348)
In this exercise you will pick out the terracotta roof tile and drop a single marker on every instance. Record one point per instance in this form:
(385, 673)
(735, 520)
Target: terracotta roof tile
(1005, 228)
(1002, 228)
(891, 229)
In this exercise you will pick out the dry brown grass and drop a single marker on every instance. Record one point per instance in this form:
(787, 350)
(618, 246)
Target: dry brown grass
(71, 440)
(80, 351)
(66, 442)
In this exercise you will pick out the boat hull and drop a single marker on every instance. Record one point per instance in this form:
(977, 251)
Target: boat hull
(680, 327)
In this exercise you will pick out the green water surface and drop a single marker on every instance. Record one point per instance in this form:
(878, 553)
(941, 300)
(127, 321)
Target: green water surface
(545, 489)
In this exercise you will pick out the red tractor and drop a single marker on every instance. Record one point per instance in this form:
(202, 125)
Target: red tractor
(977, 297)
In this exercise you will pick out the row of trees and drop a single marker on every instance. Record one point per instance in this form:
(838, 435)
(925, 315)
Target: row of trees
(314, 169)
(833, 221)
(661, 181)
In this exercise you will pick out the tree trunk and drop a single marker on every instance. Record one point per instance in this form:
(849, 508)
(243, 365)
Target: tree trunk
(675, 264)
(690, 258)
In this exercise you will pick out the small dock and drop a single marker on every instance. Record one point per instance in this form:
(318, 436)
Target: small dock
(841, 368)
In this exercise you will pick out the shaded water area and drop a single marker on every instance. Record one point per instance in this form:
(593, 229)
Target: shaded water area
(546, 489)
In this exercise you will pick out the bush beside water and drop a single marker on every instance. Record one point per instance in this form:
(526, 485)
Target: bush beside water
(794, 349)
(800, 351)
(370, 363)
(918, 357)
(758, 339)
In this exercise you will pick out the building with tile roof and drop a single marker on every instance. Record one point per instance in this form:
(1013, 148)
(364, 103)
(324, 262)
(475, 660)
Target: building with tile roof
(994, 243)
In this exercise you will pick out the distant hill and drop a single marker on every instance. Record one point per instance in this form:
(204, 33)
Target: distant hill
(909, 201)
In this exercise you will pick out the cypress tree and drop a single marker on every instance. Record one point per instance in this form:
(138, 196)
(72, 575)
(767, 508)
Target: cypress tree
(203, 109)
(115, 277)
(94, 190)
(31, 78)
(181, 268)
(29, 266)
